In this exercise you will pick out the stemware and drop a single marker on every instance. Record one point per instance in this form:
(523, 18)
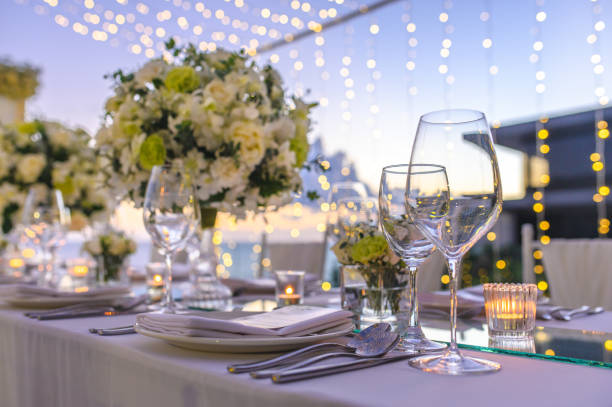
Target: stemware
(454, 204)
(170, 216)
(411, 246)
(341, 191)
(45, 221)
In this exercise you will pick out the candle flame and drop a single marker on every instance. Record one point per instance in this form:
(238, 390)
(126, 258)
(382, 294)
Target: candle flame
(16, 263)
(157, 278)
(80, 270)
(289, 290)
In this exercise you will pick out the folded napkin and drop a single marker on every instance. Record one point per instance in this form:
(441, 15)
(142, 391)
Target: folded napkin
(32, 291)
(292, 321)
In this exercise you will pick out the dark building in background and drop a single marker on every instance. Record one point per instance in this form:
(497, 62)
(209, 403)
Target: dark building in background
(568, 198)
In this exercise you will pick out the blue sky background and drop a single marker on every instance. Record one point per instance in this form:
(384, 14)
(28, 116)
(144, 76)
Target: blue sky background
(73, 89)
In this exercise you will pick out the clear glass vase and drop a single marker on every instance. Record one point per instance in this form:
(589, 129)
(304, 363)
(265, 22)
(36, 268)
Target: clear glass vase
(205, 291)
(111, 270)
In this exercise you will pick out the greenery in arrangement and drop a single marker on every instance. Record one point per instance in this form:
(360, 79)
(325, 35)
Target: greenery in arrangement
(110, 249)
(17, 82)
(47, 155)
(380, 267)
(218, 114)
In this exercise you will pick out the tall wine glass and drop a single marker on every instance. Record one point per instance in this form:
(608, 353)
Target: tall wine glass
(408, 243)
(338, 191)
(45, 221)
(457, 216)
(170, 216)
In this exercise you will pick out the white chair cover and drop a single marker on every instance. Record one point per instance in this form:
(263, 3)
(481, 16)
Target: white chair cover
(297, 256)
(579, 271)
(428, 277)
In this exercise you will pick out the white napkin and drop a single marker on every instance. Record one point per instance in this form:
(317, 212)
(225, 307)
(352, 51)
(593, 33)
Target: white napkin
(32, 291)
(298, 320)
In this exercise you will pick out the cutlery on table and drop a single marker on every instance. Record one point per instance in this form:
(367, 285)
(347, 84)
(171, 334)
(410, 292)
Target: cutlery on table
(363, 337)
(287, 376)
(121, 330)
(581, 311)
(378, 347)
(87, 310)
(545, 313)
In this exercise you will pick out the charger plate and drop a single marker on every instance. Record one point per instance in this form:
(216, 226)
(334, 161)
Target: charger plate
(242, 345)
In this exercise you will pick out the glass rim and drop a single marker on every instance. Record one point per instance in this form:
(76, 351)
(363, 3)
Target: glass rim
(390, 168)
(426, 118)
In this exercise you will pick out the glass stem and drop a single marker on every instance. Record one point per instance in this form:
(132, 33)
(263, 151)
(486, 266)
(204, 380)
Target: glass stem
(168, 283)
(454, 266)
(413, 301)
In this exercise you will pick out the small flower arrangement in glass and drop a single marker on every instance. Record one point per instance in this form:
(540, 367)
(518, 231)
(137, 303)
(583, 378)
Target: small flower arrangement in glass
(110, 249)
(364, 250)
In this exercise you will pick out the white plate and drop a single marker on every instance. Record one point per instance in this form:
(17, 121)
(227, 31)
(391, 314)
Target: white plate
(56, 302)
(240, 345)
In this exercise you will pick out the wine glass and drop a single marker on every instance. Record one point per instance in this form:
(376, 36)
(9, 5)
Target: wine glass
(355, 214)
(408, 243)
(456, 215)
(45, 221)
(170, 216)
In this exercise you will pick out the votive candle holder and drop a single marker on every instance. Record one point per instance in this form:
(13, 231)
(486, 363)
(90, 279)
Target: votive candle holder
(510, 309)
(289, 287)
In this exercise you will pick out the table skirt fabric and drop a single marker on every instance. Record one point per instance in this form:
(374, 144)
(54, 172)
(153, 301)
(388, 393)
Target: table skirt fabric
(58, 363)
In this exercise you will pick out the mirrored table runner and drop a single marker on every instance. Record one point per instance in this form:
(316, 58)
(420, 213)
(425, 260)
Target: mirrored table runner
(584, 347)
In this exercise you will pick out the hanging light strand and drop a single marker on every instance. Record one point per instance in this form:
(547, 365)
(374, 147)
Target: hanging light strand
(445, 52)
(411, 44)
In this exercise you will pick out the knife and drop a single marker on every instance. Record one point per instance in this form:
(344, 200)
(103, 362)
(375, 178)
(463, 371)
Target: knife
(100, 312)
(324, 370)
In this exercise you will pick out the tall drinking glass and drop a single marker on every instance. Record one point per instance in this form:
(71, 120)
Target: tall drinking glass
(454, 217)
(408, 243)
(170, 216)
(45, 221)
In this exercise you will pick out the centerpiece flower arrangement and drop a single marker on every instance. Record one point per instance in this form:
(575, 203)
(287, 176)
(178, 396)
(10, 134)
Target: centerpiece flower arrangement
(220, 116)
(365, 247)
(48, 155)
(110, 249)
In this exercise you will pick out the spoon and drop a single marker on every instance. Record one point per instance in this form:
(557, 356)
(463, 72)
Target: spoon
(378, 346)
(584, 310)
(365, 336)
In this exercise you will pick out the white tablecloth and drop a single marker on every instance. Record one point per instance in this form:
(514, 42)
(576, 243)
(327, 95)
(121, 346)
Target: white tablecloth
(58, 363)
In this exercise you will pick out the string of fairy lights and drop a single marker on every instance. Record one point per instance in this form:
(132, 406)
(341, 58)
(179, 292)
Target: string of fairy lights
(372, 87)
(601, 130)
(411, 44)
(542, 146)
(445, 52)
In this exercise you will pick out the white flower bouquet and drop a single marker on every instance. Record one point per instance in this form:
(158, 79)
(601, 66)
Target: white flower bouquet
(110, 249)
(217, 114)
(47, 155)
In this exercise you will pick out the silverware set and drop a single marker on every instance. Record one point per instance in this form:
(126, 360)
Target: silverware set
(371, 347)
(548, 313)
(117, 307)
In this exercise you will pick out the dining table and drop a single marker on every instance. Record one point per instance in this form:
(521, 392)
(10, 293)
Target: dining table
(60, 363)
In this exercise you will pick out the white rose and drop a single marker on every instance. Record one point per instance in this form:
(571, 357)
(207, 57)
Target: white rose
(149, 71)
(280, 130)
(251, 138)
(117, 246)
(60, 138)
(30, 166)
(224, 171)
(222, 93)
(285, 157)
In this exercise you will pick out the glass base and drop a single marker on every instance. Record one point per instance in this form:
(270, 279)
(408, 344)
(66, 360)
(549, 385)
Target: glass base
(453, 363)
(415, 341)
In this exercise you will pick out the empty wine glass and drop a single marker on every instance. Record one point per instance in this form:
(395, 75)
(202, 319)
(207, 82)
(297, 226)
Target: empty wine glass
(338, 191)
(408, 243)
(170, 216)
(354, 214)
(454, 216)
(45, 221)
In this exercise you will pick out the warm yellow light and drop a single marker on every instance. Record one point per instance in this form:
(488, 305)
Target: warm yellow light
(537, 254)
(597, 198)
(16, 263)
(294, 232)
(500, 264)
(157, 278)
(81, 289)
(539, 269)
(544, 225)
(597, 166)
(217, 238)
(289, 290)
(544, 148)
(538, 207)
(374, 29)
(549, 352)
(28, 253)
(491, 236)
(545, 240)
(325, 286)
(537, 195)
(266, 262)
(321, 227)
(604, 190)
(544, 178)
(604, 222)
(80, 270)
(445, 279)
(345, 171)
(602, 124)
(595, 157)
(543, 134)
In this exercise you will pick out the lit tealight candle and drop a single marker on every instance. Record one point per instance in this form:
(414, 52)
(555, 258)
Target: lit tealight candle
(78, 268)
(289, 297)
(289, 287)
(510, 309)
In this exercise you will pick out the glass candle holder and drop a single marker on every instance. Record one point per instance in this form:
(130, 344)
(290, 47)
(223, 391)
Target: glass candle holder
(155, 281)
(510, 309)
(289, 287)
(78, 268)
